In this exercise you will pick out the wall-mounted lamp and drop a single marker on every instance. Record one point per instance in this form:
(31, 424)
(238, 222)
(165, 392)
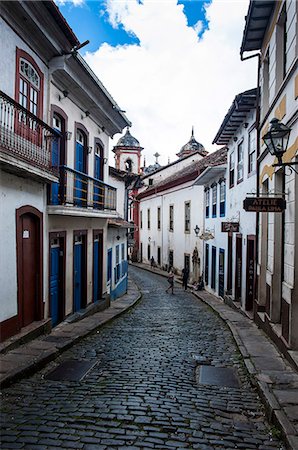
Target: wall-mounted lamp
(68, 135)
(105, 160)
(65, 94)
(118, 237)
(245, 125)
(197, 230)
(276, 141)
(235, 139)
(89, 150)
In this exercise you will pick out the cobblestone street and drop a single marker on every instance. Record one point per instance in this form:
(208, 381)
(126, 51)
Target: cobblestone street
(143, 391)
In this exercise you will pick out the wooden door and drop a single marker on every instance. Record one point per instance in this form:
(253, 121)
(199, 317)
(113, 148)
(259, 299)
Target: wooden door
(57, 264)
(80, 186)
(238, 269)
(29, 262)
(213, 267)
(80, 285)
(250, 273)
(97, 266)
(221, 272)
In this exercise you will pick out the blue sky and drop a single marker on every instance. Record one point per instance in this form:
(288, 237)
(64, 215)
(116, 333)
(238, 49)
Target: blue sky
(170, 64)
(89, 20)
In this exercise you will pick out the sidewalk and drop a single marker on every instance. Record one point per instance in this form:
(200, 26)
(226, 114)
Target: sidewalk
(275, 379)
(32, 356)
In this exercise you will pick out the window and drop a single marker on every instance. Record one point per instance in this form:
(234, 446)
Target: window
(29, 86)
(150, 181)
(222, 198)
(158, 218)
(240, 162)
(251, 151)
(118, 265)
(148, 252)
(141, 252)
(109, 271)
(141, 219)
(122, 252)
(171, 218)
(187, 217)
(207, 263)
(148, 218)
(214, 199)
(207, 201)
(232, 169)
(128, 165)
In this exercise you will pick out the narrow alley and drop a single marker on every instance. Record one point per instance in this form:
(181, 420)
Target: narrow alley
(147, 385)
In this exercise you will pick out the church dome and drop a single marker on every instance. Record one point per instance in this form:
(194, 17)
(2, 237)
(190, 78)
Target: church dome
(192, 146)
(128, 140)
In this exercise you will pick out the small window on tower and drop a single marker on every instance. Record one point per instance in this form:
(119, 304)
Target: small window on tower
(128, 165)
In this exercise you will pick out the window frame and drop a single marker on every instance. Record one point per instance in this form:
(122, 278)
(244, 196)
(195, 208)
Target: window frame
(207, 202)
(141, 219)
(148, 219)
(187, 224)
(240, 163)
(214, 197)
(171, 218)
(158, 217)
(232, 169)
(251, 153)
(222, 203)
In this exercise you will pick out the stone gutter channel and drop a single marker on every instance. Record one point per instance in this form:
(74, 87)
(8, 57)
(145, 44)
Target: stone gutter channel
(274, 378)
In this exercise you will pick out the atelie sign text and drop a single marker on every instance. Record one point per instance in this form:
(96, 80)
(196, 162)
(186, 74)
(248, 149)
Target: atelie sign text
(264, 204)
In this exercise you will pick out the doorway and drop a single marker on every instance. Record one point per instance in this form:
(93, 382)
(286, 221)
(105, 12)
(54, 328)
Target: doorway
(221, 273)
(29, 229)
(57, 277)
(97, 264)
(79, 273)
(250, 272)
(213, 267)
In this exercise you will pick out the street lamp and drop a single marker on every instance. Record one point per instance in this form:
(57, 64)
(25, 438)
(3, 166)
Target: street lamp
(197, 230)
(276, 140)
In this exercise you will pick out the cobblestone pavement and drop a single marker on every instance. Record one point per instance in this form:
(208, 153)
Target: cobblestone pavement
(143, 391)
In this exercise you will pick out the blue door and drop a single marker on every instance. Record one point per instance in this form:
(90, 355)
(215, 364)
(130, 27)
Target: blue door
(78, 273)
(109, 269)
(98, 192)
(55, 160)
(54, 282)
(79, 185)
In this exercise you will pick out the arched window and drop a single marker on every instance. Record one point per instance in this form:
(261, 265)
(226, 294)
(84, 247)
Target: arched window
(29, 84)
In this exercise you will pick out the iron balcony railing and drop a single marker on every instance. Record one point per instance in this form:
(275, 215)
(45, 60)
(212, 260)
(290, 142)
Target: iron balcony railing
(80, 190)
(25, 136)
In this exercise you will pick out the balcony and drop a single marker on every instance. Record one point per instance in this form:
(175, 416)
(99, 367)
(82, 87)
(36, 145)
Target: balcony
(25, 141)
(77, 191)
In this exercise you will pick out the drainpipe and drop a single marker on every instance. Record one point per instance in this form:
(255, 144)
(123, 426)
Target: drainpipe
(258, 55)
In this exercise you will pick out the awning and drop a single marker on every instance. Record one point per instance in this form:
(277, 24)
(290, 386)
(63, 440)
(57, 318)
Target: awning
(120, 223)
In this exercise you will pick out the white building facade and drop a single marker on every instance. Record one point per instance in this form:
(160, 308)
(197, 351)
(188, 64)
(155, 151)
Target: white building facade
(53, 153)
(276, 299)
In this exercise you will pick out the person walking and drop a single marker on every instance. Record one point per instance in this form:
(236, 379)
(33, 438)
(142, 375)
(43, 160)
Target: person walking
(171, 282)
(185, 276)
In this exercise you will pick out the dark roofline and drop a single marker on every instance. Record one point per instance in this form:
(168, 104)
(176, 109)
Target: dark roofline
(60, 20)
(181, 178)
(242, 104)
(173, 163)
(256, 23)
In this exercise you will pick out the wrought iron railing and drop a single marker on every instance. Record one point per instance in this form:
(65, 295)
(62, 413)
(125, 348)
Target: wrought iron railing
(25, 136)
(78, 189)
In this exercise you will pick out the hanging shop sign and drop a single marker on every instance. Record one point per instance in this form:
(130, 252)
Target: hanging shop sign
(264, 204)
(229, 227)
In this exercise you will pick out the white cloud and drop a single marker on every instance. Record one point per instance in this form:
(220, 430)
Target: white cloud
(74, 2)
(173, 80)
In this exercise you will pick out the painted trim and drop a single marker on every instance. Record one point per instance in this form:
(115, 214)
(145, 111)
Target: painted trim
(22, 54)
(56, 110)
(83, 233)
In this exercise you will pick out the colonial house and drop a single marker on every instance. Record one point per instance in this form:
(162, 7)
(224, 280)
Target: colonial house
(271, 33)
(212, 178)
(171, 212)
(55, 121)
(238, 133)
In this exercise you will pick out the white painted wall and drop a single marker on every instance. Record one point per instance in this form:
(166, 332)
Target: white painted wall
(16, 192)
(8, 43)
(180, 242)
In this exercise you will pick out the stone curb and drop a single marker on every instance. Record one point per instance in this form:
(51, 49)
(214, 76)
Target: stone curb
(273, 409)
(118, 307)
